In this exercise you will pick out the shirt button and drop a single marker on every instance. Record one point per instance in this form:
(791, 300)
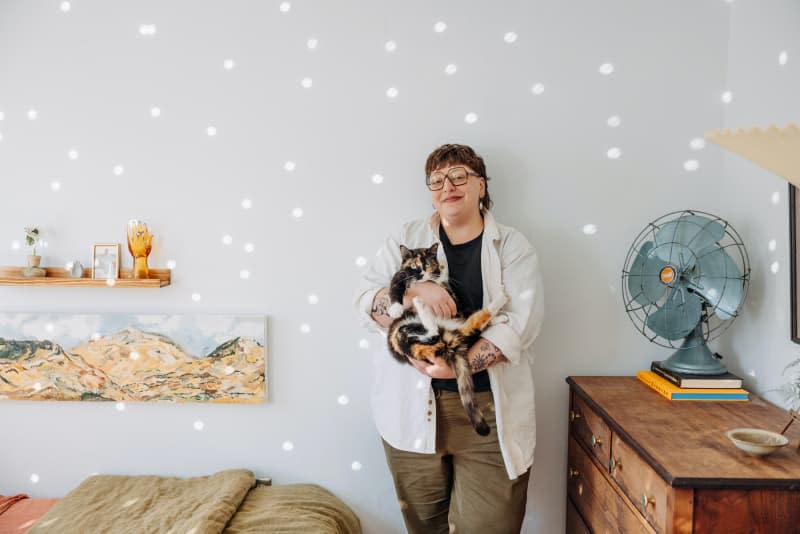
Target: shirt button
(430, 414)
(430, 402)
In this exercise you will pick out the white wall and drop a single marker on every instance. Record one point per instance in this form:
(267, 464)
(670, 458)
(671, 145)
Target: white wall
(93, 79)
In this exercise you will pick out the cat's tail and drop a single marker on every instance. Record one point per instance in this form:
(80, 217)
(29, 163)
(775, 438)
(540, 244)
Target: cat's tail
(467, 393)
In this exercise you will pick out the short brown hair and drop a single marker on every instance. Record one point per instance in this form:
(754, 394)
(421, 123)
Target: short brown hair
(460, 155)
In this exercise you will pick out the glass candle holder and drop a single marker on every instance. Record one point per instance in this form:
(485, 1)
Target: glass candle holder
(140, 242)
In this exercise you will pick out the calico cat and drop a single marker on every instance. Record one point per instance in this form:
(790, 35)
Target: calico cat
(418, 333)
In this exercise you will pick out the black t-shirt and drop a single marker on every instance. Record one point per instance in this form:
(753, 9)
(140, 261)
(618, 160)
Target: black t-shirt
(464, 266)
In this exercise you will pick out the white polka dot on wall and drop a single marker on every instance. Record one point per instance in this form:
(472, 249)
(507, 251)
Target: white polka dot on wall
(119, 170)
(471, 118)
(613, 121)
(439, 27)
(211, 131)
(698, 143)
(65, 7)
(289, 166)
(171, 264)
(155, 112)
(537, 89)
(418, 443)
(773, 245)
(196, 297)
(72, 154)
(305, 328)
(228, 64)
(55, 186)
(15, 245)
(288, 446)
(614, 153)
(450, 69)
(285, 7)
(306, 83)
(343, 400)
(606, 68)
(775, 267)
(691, 165)
(390, 46)
(229, 370)
(297, 213)
(49, 327)
(2, 116)
(134, 355)
(377, 179)
(37, 386)
(227, 239)
(247, 203)
(95, 336)
(392, 92)
(356, 466)
(147, 29)
(363, 343)
(361, 261)
(35, 478)
(110, 282)
(783, 57)
(510, 37)
(727, 97)
(244, 274)
(312, 44)
(249, 247)
(589, 229)
(313, 299)
(199, 425)
(33, 114)
(120, 406)
(776, 197)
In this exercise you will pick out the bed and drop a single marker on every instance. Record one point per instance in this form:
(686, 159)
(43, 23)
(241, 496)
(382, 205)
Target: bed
(228, 502)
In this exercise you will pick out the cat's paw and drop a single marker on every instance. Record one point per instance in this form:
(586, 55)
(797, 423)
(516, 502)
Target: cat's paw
(395, 310)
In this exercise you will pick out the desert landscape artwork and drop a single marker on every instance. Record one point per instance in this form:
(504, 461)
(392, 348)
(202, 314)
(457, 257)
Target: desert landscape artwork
(133, 357)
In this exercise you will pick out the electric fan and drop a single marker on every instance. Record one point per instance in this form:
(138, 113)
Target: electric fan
(684, 281)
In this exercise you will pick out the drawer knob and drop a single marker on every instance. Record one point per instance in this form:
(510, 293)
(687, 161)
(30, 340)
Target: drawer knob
(573, 473)
(646, 501)
(574, 415)
(596, 442)
(614, 464)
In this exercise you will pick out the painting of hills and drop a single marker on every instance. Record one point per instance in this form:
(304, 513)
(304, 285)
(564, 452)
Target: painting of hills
(130, 358)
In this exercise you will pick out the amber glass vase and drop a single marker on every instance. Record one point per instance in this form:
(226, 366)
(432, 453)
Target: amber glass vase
(140, 242)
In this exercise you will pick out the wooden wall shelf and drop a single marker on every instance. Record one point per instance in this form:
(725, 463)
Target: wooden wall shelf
(12, 276)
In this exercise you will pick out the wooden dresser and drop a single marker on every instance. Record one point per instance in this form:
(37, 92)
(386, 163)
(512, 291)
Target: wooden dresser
(638, 462)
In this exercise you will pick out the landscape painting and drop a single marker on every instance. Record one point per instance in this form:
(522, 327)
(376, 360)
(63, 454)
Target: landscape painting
(133, 357)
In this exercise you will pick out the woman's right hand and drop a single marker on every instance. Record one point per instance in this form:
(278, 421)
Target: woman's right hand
(434, 296)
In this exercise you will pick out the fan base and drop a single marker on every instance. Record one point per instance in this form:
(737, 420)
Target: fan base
(696, 360)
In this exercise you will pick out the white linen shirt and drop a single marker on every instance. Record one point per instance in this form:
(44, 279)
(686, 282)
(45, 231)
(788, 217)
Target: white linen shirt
(403, 403)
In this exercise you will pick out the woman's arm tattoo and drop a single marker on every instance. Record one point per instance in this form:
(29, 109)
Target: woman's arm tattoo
(484, 354)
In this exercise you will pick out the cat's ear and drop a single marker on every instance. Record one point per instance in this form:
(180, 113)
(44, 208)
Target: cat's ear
(434, 249)
(404, 252)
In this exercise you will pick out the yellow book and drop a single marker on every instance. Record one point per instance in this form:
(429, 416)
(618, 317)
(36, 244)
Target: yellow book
(670, 391)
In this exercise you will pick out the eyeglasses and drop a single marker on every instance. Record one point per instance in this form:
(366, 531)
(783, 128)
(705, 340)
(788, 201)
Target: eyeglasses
(456, 175)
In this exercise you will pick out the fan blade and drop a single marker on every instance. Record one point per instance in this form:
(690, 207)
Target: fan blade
(693, 231)
(678, 317)
(719, 281)
(643, 281)
(680, 257)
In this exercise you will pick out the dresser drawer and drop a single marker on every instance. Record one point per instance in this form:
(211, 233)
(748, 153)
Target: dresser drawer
(590, 429)
(575, 524)
(590, 491)
(640, 483)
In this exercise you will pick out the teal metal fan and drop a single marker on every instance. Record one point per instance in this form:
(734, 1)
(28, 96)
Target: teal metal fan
(684, 282)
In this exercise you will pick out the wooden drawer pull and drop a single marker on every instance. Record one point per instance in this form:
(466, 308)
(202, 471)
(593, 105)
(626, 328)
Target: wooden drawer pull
(574, 415)
(596, 442)
(646, 501)
(573, 473)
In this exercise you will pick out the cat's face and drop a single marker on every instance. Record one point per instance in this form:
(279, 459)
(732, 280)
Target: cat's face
(422, 262)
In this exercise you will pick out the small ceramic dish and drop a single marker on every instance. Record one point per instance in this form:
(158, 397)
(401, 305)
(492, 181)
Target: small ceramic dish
(757, 441)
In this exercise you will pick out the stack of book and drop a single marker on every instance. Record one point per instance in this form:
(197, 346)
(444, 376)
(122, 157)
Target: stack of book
(682, 386)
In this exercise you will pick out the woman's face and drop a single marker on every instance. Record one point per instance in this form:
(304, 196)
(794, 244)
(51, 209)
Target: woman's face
(459, 201)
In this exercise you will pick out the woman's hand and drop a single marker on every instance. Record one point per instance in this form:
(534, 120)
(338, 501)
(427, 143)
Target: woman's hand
(435, 369)
(434, 296)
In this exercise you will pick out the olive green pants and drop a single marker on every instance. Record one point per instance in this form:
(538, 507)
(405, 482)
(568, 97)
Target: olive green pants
(464, 486)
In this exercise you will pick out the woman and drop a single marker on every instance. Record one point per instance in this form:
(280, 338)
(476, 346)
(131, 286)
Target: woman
(448, 478)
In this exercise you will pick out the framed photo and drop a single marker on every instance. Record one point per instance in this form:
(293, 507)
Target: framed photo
(105, 260)
(794, 250)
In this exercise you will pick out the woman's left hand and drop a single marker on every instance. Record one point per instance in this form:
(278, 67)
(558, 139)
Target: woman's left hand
(437, 368)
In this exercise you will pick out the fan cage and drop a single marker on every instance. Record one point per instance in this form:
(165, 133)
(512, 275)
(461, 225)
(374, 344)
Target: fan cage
(712, 325)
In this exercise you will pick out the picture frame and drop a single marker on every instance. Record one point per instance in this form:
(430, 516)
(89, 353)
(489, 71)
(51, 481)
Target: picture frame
(105, 261)
(794, 250)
